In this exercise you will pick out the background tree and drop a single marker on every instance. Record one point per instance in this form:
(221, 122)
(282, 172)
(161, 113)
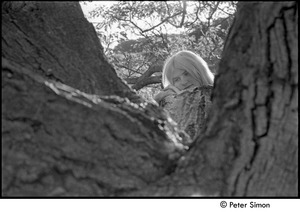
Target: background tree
(202, 28)
(58, 140)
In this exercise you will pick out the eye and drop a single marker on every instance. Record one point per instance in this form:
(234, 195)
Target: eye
(176, 79)
(185, 73)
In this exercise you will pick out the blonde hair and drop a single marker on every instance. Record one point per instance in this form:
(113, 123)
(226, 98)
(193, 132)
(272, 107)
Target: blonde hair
(190, 62)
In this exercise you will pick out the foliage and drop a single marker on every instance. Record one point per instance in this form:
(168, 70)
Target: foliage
(138, 34)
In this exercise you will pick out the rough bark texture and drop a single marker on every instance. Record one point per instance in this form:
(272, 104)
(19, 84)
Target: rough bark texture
(57, 140)
(261, 64)
(250, 147)
(57, 42)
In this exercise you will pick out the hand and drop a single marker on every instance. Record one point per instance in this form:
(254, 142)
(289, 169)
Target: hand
(170, 88)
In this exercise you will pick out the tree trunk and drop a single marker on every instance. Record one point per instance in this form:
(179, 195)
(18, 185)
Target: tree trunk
(261, 63)
(57, 140)
(60, 141)
(57, 42)
(250, 146)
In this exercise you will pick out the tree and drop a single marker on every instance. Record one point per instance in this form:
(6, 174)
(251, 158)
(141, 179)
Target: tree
(202, 25)
(57, 140)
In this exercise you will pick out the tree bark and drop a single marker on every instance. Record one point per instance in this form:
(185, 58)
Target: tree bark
(138, 83)
(261, 62)
(57, 42)
(250, 146)
(146, 78)
(59, 140)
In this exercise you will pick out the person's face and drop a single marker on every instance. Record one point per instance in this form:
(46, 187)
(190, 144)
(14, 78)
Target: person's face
(183, 79)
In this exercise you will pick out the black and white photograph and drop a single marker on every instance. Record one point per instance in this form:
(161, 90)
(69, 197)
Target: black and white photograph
(151, 100)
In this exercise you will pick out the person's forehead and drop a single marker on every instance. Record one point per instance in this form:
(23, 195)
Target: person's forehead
(178, 72)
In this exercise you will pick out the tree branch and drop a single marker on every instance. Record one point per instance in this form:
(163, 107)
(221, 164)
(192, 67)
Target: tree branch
(197, 18)
(214, 9)
(146, 79)
(163, 21)
(183, 13)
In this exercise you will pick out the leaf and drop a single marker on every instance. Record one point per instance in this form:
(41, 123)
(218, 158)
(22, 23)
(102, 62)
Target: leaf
(158, 43)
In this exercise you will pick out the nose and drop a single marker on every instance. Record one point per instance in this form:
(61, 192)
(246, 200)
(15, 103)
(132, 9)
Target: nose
(183, 80)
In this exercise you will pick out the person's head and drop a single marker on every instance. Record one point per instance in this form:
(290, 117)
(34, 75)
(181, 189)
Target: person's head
(185, 69)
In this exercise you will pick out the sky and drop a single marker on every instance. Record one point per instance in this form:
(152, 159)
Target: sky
(89, 6)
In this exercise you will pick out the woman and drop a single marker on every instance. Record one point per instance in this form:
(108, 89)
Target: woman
(187, 83)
